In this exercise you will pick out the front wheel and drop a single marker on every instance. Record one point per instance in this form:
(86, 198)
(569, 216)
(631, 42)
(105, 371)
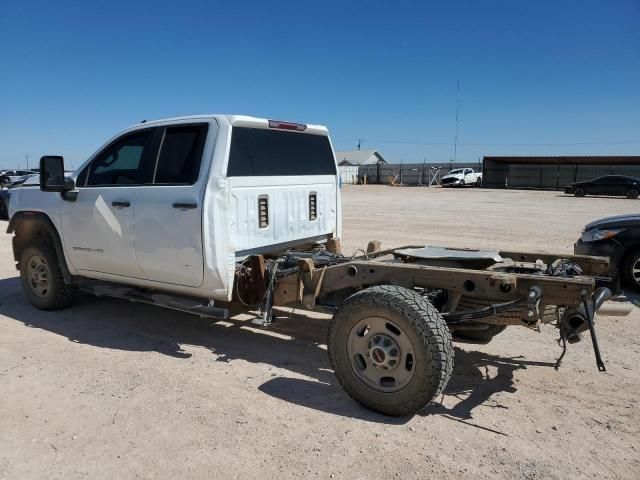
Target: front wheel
(579, 192)
(390, 349)
(632, 193)
(462, 183)
(42, 279)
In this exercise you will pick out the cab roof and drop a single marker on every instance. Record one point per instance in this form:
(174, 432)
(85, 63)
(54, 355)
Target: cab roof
(238, 120)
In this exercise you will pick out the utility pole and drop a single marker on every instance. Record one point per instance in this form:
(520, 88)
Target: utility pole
(27, 157)
(455, 141)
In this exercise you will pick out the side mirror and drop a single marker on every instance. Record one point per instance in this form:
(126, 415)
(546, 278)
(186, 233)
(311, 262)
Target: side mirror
(52, 177)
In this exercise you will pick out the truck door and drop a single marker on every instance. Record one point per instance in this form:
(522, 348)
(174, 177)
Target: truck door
(168, 216)
(98, 226)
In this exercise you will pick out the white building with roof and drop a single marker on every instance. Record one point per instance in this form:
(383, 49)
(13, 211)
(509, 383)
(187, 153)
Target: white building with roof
(349, 162)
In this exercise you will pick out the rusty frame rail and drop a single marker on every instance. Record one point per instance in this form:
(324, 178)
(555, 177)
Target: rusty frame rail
(310, 284)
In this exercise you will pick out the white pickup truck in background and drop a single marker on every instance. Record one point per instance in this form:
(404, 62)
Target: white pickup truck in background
(462, 177)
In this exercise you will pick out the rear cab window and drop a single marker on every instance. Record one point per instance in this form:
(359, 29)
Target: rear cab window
(262, 152)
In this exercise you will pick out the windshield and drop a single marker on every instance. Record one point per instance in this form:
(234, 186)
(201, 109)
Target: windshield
(261, 152)
(454, 172)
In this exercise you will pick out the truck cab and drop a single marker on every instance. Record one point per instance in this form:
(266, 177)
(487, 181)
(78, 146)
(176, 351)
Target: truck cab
(174, 204)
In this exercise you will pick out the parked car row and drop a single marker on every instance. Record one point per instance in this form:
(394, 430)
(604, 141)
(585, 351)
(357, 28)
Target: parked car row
(9, 177)
(30, 179)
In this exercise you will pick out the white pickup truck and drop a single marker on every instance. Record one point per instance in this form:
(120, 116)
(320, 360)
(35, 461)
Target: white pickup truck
(203, 213)
(461, 177)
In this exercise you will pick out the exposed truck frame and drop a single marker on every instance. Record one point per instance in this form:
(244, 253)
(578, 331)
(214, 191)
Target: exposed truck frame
(395, 311)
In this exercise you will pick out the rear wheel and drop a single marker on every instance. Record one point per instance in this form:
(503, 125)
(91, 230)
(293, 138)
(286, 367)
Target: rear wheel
(632, 193)
(390, 349)
(579, 192)
(479, 182)
(42, 279)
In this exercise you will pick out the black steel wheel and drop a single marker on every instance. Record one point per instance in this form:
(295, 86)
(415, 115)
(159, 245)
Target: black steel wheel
(390, 349)
(579, 192)
(632, 193)
(42, 279)
(630, 270)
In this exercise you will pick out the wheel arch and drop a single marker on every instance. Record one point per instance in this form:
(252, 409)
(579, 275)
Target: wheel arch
(29, 225)
(630, 249)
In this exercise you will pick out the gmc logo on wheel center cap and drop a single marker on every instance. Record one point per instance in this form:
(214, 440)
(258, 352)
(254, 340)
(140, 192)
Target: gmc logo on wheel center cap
(377, 355)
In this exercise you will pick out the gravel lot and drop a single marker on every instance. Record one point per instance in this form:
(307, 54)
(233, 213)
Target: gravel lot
(110, 389)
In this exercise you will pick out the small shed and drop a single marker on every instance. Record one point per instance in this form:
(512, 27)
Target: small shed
(350, 161)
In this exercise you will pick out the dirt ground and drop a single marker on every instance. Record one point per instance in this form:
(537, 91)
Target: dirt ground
(110, 389)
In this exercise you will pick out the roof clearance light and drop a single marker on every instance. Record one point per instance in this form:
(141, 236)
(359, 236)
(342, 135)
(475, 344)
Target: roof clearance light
(287, 125)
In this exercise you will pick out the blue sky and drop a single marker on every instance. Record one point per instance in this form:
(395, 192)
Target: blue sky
(538, 77)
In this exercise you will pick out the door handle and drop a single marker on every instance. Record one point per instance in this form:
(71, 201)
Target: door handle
(185, 206)
(121, 204)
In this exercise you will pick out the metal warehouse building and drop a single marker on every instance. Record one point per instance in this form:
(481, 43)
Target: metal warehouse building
(553, 173)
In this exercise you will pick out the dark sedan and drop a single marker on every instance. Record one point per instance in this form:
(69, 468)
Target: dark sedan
(618, 238)
(618, 185)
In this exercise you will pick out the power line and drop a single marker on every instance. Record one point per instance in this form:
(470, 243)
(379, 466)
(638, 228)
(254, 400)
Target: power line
(408, 142)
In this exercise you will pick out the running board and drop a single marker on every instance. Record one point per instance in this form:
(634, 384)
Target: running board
(165, 300)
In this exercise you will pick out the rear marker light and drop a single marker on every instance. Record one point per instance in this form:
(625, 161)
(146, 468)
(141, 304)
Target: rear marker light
(287, 125)
(263, 211)
(313, 206)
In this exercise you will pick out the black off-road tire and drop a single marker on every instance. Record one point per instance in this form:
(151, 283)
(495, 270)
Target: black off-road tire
(579, 192)
(4, 211)
(420, 322)
(630, 261)
(485, 335)
(632, 193)
(58, 295)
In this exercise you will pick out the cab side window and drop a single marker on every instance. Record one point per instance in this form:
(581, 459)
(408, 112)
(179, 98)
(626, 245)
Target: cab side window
(124, 162)
(180, 155)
